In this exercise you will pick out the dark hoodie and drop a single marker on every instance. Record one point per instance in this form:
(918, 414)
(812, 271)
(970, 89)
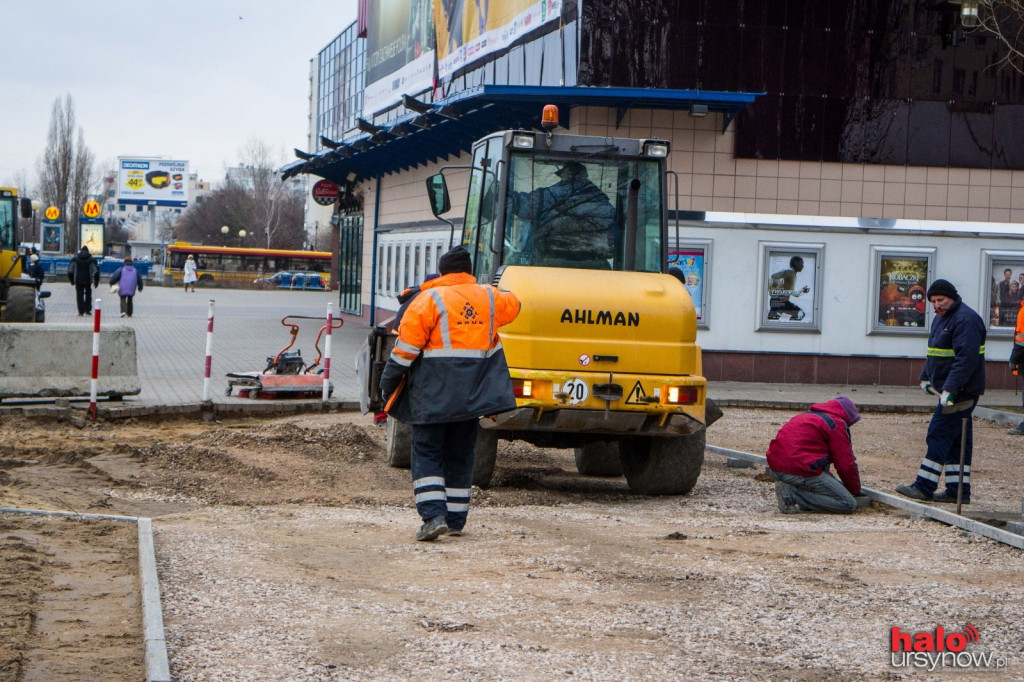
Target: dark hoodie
(809, 442)
(84, 268)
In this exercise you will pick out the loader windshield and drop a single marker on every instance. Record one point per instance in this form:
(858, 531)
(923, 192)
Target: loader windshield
(8, 222)
(573, 212)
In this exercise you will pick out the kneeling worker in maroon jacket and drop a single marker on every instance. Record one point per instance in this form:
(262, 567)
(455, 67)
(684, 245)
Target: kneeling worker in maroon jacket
(800, 455)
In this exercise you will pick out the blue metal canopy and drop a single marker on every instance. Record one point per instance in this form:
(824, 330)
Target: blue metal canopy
(430, 132)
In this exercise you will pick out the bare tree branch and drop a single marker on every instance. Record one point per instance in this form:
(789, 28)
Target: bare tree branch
(1005, 20)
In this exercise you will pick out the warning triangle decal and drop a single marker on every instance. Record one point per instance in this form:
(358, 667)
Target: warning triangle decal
(634, 397)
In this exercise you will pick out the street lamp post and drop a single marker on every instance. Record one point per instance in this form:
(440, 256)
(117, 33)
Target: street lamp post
(35, 234)
(225, 230)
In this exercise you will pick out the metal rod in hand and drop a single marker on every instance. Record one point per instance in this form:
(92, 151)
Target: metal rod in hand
(963, 454)
(95, 358)
(327, 354)
(209, 353)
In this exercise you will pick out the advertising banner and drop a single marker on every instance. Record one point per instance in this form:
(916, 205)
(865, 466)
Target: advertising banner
(791, 288)
(53, 237)
(152, 182)
(90, 235)
(468, 30)
(902, 283)
(1006, 275)
(399, 52)
(691, 262)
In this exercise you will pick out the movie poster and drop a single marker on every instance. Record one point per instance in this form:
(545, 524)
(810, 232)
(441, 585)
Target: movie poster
(52, 237)
(791, 288)
(691, 262)
(1007, 282)
(902, 283)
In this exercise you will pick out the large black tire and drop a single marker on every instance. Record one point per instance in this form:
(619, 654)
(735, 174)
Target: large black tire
(600, 458)
(663, 466)
(399, 444)
(484, 456)
(21, 304)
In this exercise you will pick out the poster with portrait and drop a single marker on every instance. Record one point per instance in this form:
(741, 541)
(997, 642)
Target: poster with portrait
(692, 261)
(791, 273)
(1003, 288)
(53, 237)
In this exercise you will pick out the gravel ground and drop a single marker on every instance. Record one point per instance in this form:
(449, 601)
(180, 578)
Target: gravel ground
(285, 552)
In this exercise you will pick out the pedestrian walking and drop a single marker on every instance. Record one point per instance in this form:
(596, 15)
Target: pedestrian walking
(190, 273)
(128, 283)
(1017, 360)
(450, 361)
(954, 370)
(800, 455)
(83, 271)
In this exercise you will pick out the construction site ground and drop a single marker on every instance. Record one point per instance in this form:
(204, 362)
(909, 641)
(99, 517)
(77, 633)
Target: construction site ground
(285, 552)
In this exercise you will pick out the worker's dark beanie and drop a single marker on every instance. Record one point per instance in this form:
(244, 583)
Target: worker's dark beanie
(941, 287)
(456, 260)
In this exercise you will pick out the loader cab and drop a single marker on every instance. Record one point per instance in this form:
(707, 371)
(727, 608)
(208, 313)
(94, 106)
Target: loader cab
(559, 200)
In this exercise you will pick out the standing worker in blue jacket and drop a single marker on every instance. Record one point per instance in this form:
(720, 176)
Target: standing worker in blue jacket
(955, 371)
(450, 354)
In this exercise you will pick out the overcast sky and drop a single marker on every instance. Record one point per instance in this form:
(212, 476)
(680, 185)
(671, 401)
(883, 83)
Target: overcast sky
(187, 79)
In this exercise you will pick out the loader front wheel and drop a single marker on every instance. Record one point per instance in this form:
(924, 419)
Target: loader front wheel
(399, 444)
(21, 304)
(600, 458)
(663, 466)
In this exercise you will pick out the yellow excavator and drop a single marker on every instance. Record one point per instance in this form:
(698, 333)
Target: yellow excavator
(603, 355)
(19, 301)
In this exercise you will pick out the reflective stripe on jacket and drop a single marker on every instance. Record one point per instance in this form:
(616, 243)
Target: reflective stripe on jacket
(449, 345)
(809, 442)
(956, 352)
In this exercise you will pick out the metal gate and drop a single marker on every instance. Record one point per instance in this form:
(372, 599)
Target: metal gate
(350, 261)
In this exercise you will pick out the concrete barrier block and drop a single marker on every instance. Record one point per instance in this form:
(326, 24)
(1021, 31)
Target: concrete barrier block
(55, 360)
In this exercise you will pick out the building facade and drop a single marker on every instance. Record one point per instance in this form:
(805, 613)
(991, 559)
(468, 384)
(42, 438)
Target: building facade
(880, 143)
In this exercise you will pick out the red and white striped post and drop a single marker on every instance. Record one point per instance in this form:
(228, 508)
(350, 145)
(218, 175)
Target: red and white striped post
(97, 309)
(209, 353)
(327, 354)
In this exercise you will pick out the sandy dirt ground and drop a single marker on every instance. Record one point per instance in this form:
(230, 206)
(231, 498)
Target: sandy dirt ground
(285, 552)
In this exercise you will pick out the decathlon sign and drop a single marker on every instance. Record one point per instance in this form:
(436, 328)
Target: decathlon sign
(152, 182)
(325, 192)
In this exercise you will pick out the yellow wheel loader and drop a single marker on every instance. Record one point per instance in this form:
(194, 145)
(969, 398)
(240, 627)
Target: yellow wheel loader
(603, 355)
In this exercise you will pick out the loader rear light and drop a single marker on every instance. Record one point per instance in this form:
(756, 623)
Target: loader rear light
(681, 395)
(522, 388)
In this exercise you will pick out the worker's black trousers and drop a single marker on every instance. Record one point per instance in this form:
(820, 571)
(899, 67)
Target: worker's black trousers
(442, 469)
(83, 296)
(943, 456)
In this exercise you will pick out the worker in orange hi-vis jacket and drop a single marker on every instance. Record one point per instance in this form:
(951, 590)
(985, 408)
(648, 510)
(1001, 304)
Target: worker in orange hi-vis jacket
(450, 368)
(1017, 360)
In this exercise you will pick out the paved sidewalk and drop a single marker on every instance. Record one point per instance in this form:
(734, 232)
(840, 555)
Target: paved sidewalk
(170, 330)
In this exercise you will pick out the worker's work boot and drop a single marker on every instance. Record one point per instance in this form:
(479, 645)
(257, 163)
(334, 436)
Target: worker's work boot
(945, 498)
(786, 505)
(913, 492)
(432, 529)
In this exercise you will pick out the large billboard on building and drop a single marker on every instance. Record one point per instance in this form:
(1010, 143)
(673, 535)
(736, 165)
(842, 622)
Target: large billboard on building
(152, 182)
(399, 51)
(468, 30)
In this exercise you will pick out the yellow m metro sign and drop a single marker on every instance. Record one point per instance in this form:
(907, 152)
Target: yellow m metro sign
(91, 209)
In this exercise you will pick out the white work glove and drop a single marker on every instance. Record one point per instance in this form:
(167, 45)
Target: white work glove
(927, 387)
(946, 398)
